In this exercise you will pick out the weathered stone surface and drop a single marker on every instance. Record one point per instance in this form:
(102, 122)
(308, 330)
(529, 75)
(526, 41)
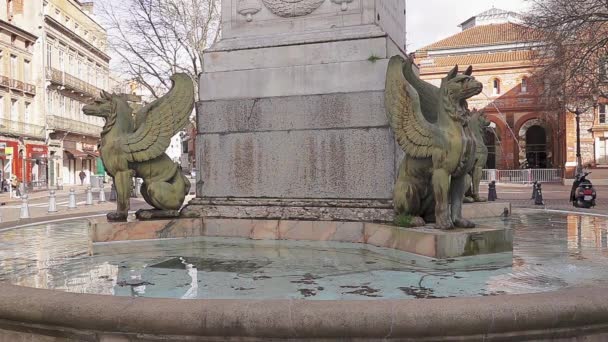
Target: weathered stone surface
(312, 112)
(324, 210)
(339, 163)
(291, 55)
(344, 77)
(103, 231)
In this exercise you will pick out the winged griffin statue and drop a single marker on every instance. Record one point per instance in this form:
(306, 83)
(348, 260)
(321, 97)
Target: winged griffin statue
(479, 124)
(135, 146)
(432, 126)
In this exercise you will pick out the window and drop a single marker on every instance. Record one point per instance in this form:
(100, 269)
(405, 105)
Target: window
(49, 103)
(80, 71)
(61, 62)
(14, 110)
(26, 71)
(496, 87)
(49, 55)
(14, 66)
(27, 117)
(1, 63)
(1, 108)
(524, 85)
(602, 117)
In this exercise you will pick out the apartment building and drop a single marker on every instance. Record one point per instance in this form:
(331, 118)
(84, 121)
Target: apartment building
(52, 62)
(76, 69)
(22, 131)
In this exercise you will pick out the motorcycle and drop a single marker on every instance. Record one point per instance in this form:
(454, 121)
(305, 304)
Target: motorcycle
(582, 194)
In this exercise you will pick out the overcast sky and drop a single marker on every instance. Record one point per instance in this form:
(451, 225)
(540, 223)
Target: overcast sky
(431, 20)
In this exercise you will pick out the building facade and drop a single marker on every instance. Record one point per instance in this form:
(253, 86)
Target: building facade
(22, 131)
(525, 134)
(76, 69)
(52, 62)
(494, 43)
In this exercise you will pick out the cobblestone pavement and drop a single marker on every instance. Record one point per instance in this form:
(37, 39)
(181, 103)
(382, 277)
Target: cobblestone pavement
(555, 196)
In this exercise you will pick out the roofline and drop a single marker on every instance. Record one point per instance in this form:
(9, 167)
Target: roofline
(76, 37)
(483, 48)
(80, 3)
(19, 30)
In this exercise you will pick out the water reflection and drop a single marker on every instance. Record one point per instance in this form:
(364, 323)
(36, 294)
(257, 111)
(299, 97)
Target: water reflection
(551, 251)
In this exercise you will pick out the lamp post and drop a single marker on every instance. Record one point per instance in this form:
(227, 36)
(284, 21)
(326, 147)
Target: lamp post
(577, 111)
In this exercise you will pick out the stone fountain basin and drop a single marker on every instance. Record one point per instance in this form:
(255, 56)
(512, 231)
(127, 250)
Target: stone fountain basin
(47, 315)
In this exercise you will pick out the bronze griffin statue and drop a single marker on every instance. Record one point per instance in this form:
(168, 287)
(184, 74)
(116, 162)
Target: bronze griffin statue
(135, 146)
(432, 126)
(479, 124)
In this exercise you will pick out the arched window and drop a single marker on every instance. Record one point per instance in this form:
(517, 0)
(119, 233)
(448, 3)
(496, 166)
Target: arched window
(524, 85)
(496, 87)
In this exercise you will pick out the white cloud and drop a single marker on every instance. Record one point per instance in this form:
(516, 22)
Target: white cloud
(431, 20)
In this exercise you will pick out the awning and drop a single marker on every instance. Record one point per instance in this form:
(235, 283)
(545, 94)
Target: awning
(76, 153)
(92, 154)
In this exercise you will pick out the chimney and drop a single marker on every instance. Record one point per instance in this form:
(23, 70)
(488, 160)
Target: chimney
(87, 7)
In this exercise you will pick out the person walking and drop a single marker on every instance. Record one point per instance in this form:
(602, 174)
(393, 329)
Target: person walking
(82, 176)
(15, 184)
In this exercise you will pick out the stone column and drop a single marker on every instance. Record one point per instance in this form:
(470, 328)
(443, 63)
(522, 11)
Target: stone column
(292, 123)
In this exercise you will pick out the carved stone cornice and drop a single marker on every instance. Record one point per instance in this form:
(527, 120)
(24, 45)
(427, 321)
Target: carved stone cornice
(292, 8)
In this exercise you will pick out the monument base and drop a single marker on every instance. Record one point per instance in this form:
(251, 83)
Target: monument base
(318, 209)
(424, 241)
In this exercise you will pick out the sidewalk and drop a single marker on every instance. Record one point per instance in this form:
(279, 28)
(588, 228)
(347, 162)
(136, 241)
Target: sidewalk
(44, 193)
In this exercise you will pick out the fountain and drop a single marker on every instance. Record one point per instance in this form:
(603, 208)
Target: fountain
(292, 235)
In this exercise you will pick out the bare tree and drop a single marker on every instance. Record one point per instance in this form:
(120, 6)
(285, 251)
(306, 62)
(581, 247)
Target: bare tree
(155, 38)
(571, 41)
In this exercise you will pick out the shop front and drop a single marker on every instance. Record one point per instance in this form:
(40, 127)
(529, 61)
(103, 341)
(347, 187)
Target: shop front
(9, 163)
(36, 165)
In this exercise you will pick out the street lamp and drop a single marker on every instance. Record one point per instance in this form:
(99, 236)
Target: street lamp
(577, 111)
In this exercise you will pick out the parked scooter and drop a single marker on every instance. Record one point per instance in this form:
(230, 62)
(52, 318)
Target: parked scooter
(582, 194)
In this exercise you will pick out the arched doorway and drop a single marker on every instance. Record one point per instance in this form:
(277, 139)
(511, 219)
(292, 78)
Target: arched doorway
(489, 139)
(536, 147)
(535, 144)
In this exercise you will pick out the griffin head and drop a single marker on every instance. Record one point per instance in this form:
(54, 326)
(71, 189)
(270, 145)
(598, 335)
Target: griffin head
(460, 87)
(103, 107)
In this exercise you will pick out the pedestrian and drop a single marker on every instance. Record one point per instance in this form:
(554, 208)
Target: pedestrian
(82, 176)
(15, 184)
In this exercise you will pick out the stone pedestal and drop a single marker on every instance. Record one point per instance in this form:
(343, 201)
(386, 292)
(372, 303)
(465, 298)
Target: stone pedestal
(424, 241)
(292, 106)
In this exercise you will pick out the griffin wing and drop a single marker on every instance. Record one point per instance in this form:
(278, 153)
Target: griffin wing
(413, 132)
(161, 120)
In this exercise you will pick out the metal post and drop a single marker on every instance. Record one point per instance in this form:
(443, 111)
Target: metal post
(102, 193)
(89, 194)
(52, 202)
(579, 161)
(113, 193)
(25, 210)
(72, 199)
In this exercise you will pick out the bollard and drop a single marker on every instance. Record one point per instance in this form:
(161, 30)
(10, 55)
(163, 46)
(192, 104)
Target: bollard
(492, 191)
(102, 193)
(113, 193)
(52, 202)
(538, 199)
(534, 189)
(89, 194)
(25, 209)
(72, 199)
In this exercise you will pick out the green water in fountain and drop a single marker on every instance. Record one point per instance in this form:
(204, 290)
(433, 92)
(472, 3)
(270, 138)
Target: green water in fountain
(551, 251)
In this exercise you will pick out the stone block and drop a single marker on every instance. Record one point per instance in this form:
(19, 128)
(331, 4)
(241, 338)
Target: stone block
(228, 227)
(340, 163)
(103, 231)
(344, 77)
(380, 235)
(265, 230)
(311, 112)
(292, 55)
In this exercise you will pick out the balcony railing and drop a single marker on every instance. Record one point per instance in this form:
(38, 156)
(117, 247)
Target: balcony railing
(71, 82)
(5, 81)
(21, 128)
(70, 125)
(17, 85)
